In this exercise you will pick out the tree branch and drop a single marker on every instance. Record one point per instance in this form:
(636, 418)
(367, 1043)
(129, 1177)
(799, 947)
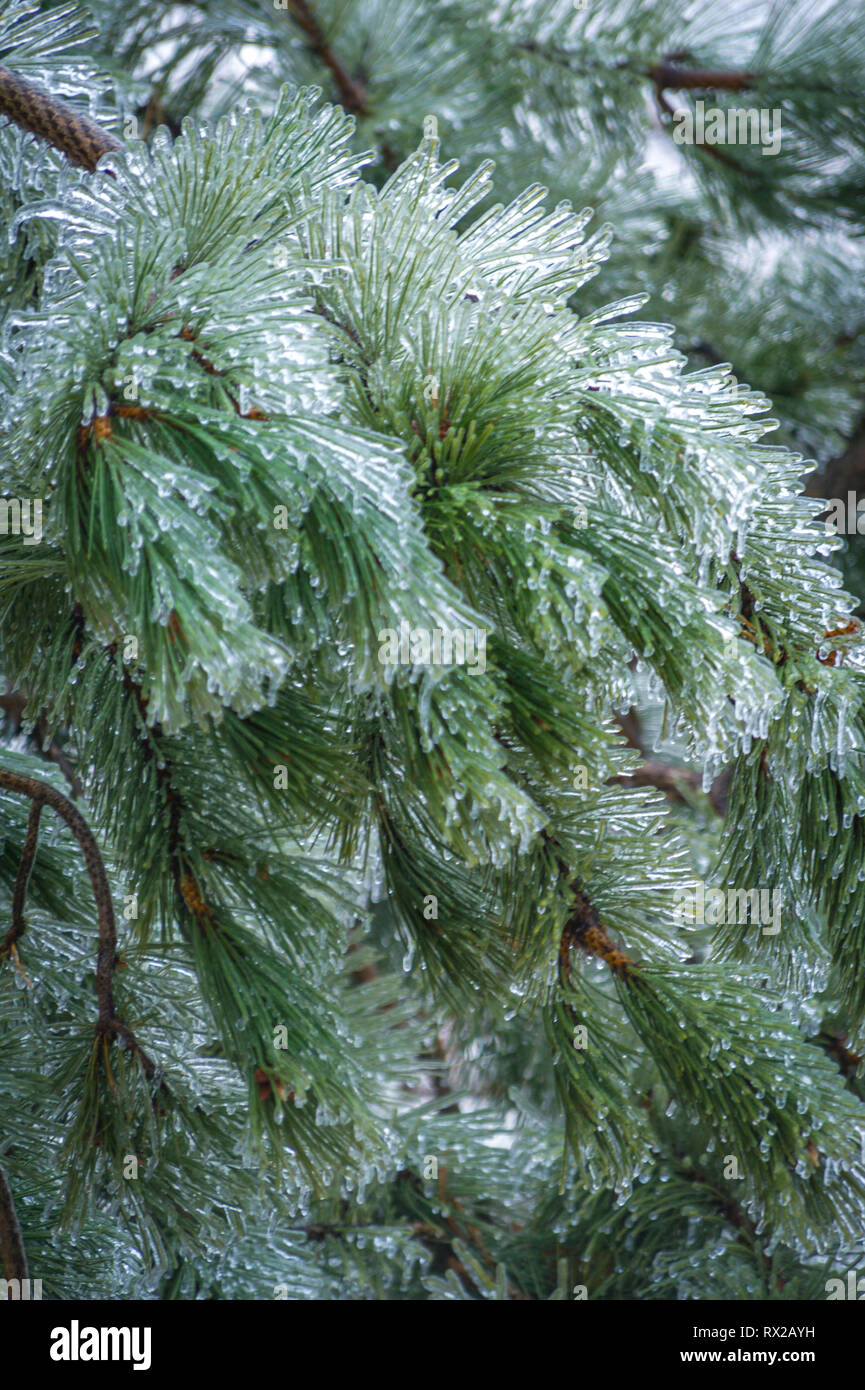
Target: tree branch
(675, 782)
(662, 75)
(668, 76)
(585, 929)
(41, 794)
(19, 892)
(835, 1044)
(353, 93)
(12, 705)
(12, 1250)
(44, 794)
(81, 140)
(678, 783)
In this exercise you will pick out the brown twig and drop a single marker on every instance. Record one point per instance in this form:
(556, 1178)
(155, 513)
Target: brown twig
(19, 892)
(666, 75)
(81, 140)
(185, 882)
(42, 794)
(673, 781)
(12, 1251)
(661, 75)
(835, 1044)
(670, 77)
(12, 705)
(678, 783)
(352, 92)
(99, 426)
(585, 929)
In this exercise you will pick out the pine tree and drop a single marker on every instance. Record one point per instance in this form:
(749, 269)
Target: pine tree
(432, 796)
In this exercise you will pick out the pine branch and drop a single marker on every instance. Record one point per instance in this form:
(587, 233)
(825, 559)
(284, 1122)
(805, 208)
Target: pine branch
(585, 929)
(353, 93)
(667, 76)
(56, 755)
(19, 892)
(12, 704)
(734, 1213)
(675, 782)
(835, 1044)
(40, 793)
(661, 77)
(12, 1251)
(99, 427)
(185, 884)
(82, 141)
(678, 783)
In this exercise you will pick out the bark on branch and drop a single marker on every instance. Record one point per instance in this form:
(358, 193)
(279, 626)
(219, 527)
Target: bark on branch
(585, 929)
(41, 794)
(669, 77)
(352, 92)
(12, 1252)
(81, 140)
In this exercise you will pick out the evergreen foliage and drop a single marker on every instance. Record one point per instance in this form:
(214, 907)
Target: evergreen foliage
(330, 977)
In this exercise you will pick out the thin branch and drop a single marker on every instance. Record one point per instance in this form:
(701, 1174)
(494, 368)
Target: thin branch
(631, 726)
(185, 882)
(19, 892)
(12, 705)
(678, 783)
(735, 1214)
(835, 1044)
(353, 93)
(669, 77)
(47, 795)
(585, 929)
(666, 75)
(42, 793)
(12, 1250)
(667, 110)
(81, 140)
(675, 782)
(56, 755)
